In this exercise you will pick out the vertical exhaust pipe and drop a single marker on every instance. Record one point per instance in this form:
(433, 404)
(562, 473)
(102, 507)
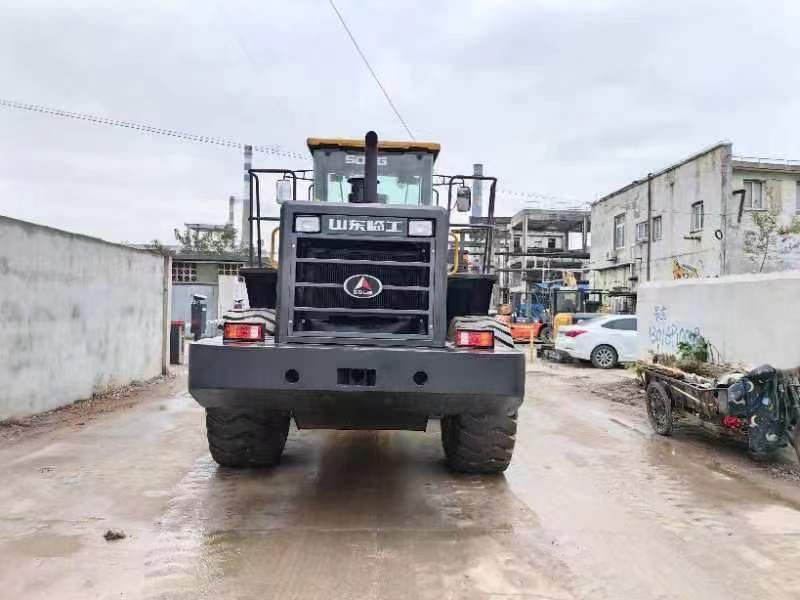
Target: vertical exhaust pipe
(371, 167)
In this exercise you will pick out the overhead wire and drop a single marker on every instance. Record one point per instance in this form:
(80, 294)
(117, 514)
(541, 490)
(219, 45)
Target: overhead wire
(275, 149)
(371, 70)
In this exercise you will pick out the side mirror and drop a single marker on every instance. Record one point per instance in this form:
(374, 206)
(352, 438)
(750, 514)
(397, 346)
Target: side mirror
(463, 198)
(283, 191)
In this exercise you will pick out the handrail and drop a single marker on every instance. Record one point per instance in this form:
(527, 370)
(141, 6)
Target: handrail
(253, 177)
(456, 253)
(491, 222)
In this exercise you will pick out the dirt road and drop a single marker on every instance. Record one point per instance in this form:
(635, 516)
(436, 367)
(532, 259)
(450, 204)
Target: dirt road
(593, 506)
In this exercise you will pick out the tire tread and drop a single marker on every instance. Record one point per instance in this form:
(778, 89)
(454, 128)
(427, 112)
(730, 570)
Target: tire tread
(479, 443)
(245, 438)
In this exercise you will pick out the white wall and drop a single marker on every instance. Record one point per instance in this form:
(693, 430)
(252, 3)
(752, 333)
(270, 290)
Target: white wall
(77, 316)
(749, 319)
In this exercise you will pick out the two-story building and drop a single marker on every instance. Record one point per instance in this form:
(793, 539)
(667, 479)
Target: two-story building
(708, 215)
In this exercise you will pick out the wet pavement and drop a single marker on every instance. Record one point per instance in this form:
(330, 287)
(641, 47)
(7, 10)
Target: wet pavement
(593, 506)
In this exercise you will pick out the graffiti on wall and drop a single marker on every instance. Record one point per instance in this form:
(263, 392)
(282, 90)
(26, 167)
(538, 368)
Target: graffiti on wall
(665, 334)
(684, 271)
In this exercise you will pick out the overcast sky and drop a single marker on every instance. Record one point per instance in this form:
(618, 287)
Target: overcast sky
(563, 98)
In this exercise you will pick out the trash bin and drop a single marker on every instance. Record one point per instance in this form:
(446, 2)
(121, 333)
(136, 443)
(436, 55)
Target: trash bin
(199, 310)
(176, 329)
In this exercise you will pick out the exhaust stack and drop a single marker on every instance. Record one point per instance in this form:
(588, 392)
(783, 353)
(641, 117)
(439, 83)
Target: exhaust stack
(371, 167)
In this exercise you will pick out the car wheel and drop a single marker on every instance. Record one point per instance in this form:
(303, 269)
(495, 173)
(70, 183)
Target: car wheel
(546, 333)
(604, 357)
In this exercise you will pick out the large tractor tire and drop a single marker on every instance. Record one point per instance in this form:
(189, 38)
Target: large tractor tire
(246, 438)
(480, 443)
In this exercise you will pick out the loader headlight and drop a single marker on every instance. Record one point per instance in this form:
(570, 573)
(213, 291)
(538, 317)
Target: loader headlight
(420, 227)
(306, 224)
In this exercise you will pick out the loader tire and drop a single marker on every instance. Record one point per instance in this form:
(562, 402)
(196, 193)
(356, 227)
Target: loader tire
(481, 443)
(241, 438)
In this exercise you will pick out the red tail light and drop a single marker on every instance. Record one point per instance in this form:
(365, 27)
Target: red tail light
(474, 339)
(243, 332)
(574, 332)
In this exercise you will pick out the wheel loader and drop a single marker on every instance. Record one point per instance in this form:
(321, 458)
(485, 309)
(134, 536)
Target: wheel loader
(355, 318)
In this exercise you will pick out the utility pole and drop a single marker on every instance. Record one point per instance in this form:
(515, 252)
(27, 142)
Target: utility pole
(248, 164)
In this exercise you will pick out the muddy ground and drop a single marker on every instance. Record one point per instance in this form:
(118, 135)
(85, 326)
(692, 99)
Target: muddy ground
(593, 506)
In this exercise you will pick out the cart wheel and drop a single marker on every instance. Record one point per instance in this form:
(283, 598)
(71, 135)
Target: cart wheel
(659, 409)
(796, 440)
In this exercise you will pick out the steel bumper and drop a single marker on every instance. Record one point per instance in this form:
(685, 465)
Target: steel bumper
(455, 380)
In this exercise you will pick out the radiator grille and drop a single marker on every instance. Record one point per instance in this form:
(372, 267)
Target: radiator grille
(321, 306)
(329, 297)
(337, 273)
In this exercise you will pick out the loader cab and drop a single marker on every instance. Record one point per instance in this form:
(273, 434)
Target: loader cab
(405, 171)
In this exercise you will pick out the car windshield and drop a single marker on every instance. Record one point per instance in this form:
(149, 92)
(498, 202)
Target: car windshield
(402, 178)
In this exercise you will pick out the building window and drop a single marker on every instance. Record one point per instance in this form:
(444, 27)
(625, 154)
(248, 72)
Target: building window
(184, 272)
(697, 216)
(641, 231)
(229, 268)
(551, 242)
(619, 231)
(753, 196)
(656, 228)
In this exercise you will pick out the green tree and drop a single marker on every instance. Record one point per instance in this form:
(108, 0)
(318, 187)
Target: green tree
(208, 242)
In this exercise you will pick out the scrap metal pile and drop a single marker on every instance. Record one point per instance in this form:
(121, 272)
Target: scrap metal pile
(760, 407)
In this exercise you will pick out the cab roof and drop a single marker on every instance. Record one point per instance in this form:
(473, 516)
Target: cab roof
(348, 144)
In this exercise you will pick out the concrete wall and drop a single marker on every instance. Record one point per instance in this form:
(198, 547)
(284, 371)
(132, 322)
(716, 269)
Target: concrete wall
(77, 316)
(703, 177)
(748, 319)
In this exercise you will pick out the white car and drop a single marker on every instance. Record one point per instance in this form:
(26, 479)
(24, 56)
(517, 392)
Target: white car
(605, 340)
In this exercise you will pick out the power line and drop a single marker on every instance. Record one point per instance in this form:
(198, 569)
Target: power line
(56, 112)
(218, 141)
(371, 70)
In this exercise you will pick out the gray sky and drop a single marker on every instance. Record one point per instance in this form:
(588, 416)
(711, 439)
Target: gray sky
(569, 99)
